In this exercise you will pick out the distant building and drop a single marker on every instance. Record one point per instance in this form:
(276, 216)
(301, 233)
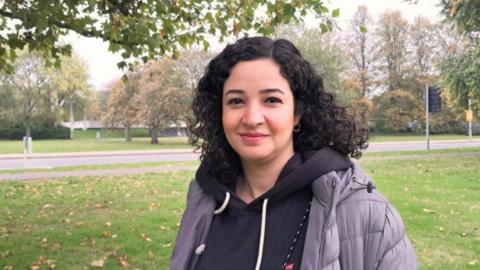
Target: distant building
(173, 129)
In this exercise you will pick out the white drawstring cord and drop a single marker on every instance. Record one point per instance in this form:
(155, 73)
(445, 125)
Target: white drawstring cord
(224, 204)
(262, 235)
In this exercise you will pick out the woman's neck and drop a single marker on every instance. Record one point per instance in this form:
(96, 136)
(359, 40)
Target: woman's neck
(259, 177)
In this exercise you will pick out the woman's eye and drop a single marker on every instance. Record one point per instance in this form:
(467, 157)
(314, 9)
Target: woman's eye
(273, 100)
(235, 101)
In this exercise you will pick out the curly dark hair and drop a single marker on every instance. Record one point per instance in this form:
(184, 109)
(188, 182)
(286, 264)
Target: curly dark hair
(323, 123)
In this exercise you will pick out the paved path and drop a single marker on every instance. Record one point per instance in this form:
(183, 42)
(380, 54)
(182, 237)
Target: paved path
(54, 160)
(129, 171)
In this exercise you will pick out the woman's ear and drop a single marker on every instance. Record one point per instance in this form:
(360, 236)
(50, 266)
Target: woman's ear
(297, 119)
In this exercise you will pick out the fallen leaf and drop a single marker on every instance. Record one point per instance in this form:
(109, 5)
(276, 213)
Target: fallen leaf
(428, 210)
(35, 266)
(122, 261)
(98, 263)
(441, 229)
(146, 238)
(474, 262)
(8, 267)
(51, 264)
(166, 245)
(107, 224)
(107, 234)
(463, 234)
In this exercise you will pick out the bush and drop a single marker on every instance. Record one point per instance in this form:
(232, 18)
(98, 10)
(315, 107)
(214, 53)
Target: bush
(395, 110)
(39, 131)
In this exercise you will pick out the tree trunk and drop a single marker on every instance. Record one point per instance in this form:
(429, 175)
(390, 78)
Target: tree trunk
(28, 131)
(154, 135)
(128, 135)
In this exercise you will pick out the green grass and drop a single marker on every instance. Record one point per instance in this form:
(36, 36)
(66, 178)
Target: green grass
(109, 134)
(85, 142)
(88, 145)
(439, 202)
(408, 137)
(76, 221)
(422, 153)
(104, 167)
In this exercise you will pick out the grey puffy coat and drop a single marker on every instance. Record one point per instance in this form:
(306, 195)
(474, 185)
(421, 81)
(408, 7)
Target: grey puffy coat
(348, 228)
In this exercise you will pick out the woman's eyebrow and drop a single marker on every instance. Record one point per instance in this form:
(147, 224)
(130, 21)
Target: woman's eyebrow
(234, 91)
(272, 90)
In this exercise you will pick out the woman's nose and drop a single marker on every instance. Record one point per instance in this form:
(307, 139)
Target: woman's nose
(253, 115)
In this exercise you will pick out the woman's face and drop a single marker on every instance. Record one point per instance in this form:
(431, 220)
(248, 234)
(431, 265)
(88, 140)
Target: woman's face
(258, 111)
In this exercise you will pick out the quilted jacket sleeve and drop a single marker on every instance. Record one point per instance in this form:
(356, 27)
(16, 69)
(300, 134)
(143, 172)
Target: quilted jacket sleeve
(395, 250)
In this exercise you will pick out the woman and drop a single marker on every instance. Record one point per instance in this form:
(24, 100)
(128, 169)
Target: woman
(275, 188)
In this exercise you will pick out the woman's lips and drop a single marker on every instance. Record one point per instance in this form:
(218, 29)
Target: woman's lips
(252, 138)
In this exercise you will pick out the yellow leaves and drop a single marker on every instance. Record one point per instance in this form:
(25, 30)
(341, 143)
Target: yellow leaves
(474, 262)
(46, 206)
(6, 254)
(107, 224)
(100, 206)
(152, 206)
(441, 229)
(98, 263)
(43, 260)
(107, 234)
(428, 210)
(120, 259)
(166, 245)
(145, 237)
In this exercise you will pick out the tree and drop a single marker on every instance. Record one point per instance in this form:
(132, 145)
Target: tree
(29, 84)
(360, 47)
(392, 32)
(122, 107)
(162, 100)
(461, 77)
(323, 53)
(464, 13)
(140, 29)
(69, 87)
(460, 70)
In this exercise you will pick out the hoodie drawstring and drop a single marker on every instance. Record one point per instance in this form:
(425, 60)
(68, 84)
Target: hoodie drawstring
(224, 204)
(262, 234)
(262, 228)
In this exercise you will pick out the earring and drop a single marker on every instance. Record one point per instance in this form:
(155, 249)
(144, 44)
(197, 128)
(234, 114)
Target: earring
(297, 128)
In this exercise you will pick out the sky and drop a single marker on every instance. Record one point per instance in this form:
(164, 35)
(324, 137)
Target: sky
(102, 65)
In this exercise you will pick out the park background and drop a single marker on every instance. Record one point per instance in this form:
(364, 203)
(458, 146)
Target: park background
(377, 65)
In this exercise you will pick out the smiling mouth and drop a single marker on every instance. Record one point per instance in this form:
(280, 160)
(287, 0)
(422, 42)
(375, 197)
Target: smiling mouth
(252, 138)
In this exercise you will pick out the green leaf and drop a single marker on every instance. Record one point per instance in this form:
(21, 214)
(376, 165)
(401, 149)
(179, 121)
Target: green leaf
(324, 28)
(363, 29)
(336, 12)
(288, 10)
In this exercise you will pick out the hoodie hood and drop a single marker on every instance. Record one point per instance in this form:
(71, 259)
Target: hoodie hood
(301, 170)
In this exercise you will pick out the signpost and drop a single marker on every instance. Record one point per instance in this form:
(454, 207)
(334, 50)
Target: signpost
(433, 104)
(469, 117)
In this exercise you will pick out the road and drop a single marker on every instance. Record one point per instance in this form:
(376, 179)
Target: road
(9, 162)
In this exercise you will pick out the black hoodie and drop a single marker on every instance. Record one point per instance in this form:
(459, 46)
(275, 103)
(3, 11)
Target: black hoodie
(234, 235)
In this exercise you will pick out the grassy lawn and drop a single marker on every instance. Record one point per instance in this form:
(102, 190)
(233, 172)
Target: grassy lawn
(408, 137)
(109, 134)
(105, 167)
(88, 145)
(92, 222)
(112, 141)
